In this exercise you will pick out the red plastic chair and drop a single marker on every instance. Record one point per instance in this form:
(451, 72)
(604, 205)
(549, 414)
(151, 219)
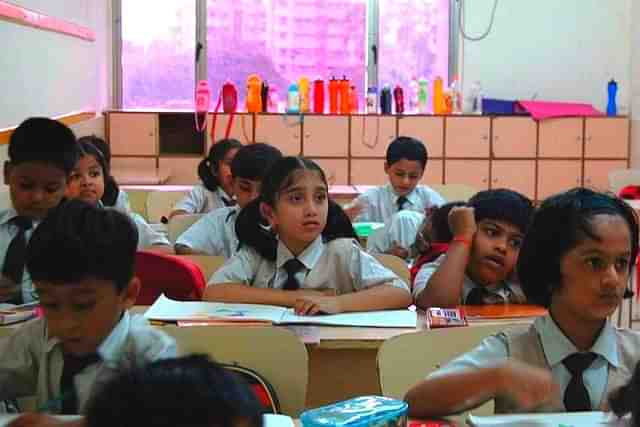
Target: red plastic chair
(178, 278)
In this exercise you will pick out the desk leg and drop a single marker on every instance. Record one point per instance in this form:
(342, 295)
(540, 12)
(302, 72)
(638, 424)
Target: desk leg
(339, 374)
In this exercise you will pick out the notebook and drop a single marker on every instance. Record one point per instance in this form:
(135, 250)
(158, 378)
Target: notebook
(564, 419)
(202, 312)
(10, 313)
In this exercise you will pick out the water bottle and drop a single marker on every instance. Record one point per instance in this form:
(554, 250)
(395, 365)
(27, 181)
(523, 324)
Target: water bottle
(476, 93)
(293, 99)
(318, 96)
(423, 96)
(438, 96)
(385, 100)
(412, 95)
(398, 97)
(303, 89)
(372, 100)
(612, 90)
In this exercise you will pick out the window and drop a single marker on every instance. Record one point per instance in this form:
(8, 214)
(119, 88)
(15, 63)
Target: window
(281, 41)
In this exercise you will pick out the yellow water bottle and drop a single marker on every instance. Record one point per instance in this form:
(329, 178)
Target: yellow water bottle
(438, 96)
(303, 87)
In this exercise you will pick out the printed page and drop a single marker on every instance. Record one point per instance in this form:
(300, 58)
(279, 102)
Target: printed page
(569, 419)
(376, 319)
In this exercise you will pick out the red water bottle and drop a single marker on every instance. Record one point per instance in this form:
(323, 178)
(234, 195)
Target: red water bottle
(318, 96)
(334, 88)
(398, 97)
(344, 95)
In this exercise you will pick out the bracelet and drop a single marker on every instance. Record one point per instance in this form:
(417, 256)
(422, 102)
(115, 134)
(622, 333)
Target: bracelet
(462, 240)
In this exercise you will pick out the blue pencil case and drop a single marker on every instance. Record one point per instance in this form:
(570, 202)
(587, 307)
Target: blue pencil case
(365, 411)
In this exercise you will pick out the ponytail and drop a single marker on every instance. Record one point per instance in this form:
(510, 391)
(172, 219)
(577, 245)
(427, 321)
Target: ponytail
(111, 191)
(207, 177)
(217, 152)
(254, 231)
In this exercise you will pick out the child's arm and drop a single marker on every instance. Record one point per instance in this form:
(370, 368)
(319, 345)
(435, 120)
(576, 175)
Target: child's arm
(241, 293)
(446, 394)
(161, 249)
(444, 286)
(191, 203)
(357, 209)
(204, 237)
(186, 250)
(381, 297)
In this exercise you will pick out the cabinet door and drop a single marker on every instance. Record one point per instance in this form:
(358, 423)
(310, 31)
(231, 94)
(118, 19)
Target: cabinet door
(514, 137)
(241, 128)
(467, 137)
(474, 173)
(368, 172)
(555, 176)
(279, 130)
(371, 135)
(325, 136)
(606, 137)
(336, 170)
(596, 172)
(133, 134)
(183, 170)
(135, 170)
(561, 138)
(429, 130)
(517, 175)
(433, 173)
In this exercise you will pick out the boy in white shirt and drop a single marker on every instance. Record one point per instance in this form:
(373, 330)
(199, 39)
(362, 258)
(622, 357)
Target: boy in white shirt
(81, 259)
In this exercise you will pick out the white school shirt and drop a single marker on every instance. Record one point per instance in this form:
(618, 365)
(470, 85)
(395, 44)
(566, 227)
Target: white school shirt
(214, 233)
(402, 229)
(200, 200)
(31, 362)
(7, 232)
(556, 347)
(380, 203)
(122, 202)
(504, 291)
(147, 236)
(364, 271)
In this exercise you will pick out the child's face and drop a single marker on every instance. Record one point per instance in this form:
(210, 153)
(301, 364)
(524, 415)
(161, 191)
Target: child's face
(300, 212)
(494, 252)
(245, 190)
(595, 272)
(224, 171)
(35, 187)
(404, 175)
(86, 181)
(81, 315)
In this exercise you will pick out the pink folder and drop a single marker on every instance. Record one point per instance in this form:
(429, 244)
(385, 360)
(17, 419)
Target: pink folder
(546, 110)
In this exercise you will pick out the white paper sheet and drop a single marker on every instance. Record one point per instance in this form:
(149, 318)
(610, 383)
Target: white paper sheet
(568, 419)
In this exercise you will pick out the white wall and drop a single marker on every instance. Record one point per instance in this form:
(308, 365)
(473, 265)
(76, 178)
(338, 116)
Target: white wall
(49, 74)
(565, 50)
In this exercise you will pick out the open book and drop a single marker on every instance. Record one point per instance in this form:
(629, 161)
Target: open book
(568, 419)
(11, 313)
(169, 310)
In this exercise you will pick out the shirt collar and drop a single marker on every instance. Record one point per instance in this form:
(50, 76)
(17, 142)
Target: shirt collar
(308, 257)
(7, 215)
(557, 346)
(223, 194)
(411, 197)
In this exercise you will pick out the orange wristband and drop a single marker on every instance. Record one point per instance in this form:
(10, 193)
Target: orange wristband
(462, 240)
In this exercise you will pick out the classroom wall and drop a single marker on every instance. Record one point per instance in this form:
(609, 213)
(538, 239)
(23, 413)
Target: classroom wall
(635, 86)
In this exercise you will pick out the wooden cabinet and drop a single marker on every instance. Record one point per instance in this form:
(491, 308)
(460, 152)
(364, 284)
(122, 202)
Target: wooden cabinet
(433, 173)
(467, 137)
(371, 135)
(560, 138)
(514, 137)
(336, 170)
(606, 137)
(368, 172)
(133, 134)
(518, 175)
(429, 130)
(555, 176)
(183, 170)
(241, 128)
(471, 172)
(281, 131)
(325, 136)
(596, 172)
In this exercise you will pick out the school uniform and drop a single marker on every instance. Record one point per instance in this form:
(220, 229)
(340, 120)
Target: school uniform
(9, 230)
(213, 234)
(339, 264)
(122, 202)
(401, 229)
(200, 200)
(499, 293)
(32, 362)
(147, 236)
(381, 203)
(545, 346)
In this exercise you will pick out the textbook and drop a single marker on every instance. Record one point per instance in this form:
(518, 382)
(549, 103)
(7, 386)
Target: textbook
(566, 419)
(10, 313)
(202, 312)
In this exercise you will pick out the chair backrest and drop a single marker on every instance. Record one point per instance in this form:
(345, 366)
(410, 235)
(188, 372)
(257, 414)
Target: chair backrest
(138, 201)
(161, 203)
(454, 192)
(179, 224)
(275, 353)
(395, 264)
(177, 278)
(406, 359)
(207, 263)
(620, 178)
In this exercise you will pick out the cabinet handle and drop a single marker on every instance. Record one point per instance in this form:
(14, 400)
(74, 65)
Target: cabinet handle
(588, 138)
(307, 135)
(578, 138)
(296, 136)
(484, 180)
(150, 133)
(495, 137)
(494, 180)
(484, 137)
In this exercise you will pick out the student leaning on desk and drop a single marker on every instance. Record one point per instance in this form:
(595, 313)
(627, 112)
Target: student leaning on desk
(81, 260)
(575, 259)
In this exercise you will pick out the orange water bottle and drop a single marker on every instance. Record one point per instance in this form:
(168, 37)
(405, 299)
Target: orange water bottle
(438, 96)
(334, 88)
(303, 89)
(254, 98)
(353, 100)
(344, 96)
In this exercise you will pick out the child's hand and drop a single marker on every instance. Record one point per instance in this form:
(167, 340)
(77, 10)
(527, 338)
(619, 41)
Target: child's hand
(42, 420)
(308, 306)
(462, 222)
(526, 385)
(398, 251)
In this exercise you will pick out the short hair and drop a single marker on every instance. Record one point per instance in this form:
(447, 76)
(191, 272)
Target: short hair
(503, 205)
(39, 139)
(100, 144)
(405, 147)
(190, 391)
(253, 161)
(77, 241)
(559, 225)
(440, 222)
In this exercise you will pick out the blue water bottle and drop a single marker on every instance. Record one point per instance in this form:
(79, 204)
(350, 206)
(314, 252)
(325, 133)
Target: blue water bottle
(612, 89)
